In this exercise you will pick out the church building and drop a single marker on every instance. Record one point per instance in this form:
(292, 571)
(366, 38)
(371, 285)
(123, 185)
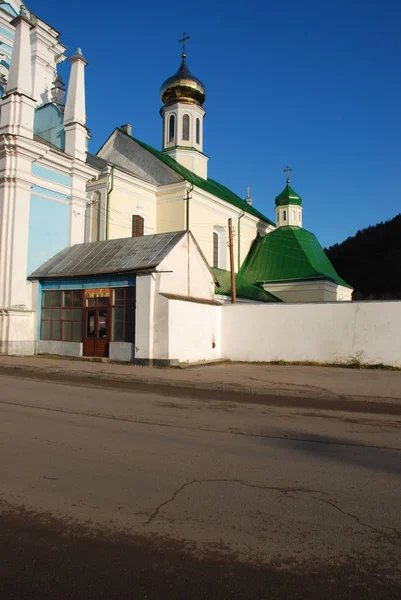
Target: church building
(95, 248)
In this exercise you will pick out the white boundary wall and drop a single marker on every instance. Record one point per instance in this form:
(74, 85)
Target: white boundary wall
(194, 331)
(328, 332)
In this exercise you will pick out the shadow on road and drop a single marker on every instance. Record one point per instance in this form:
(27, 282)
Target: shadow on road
(344, 451)
(45, 558)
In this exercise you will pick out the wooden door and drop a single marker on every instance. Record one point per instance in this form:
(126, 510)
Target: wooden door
(97, 331)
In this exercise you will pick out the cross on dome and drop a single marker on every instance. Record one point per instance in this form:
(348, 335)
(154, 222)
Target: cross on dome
(182, 41)
(287, 172)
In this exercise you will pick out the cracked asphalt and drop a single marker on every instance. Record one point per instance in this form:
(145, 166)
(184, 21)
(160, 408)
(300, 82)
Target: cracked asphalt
(107, 493)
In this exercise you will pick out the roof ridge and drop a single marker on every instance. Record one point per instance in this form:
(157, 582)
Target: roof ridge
(208, 185)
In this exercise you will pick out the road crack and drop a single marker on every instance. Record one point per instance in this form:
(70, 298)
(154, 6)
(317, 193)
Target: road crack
(395, 532)
(391, 534)
(282, 490)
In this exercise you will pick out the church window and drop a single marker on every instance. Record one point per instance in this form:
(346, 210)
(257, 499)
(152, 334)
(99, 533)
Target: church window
(284, 215)
(198, 131)
(215, 249)
(293, 214)
(185, 127)
(299, 216)
(137, 225)
(171, 128)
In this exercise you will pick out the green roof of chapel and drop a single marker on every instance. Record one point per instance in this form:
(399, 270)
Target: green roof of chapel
(245, 289)
(288, 254)
(207, 185)
(288, 196)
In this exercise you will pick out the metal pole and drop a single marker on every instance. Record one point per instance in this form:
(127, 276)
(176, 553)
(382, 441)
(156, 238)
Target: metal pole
(231, 247)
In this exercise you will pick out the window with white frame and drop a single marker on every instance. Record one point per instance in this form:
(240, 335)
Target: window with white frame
(171, 128)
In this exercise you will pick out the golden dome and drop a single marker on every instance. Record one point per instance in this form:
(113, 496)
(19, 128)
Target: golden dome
(183, 87)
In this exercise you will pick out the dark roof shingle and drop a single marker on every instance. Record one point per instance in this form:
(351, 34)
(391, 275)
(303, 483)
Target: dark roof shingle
(126, 255)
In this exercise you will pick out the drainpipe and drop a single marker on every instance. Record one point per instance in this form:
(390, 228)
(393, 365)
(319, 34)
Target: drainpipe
(111, 182)
(239, 239)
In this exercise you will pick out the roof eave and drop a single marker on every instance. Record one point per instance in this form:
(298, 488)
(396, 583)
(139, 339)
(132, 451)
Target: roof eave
(142, 270)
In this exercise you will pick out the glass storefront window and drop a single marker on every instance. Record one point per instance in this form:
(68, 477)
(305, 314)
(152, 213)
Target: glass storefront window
(123, 314)
(62, 322)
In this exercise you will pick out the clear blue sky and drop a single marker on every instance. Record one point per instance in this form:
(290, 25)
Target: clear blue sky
(312, 84)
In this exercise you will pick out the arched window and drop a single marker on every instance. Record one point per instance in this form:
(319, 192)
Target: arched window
(137, 225)
(215, 249)
(220, 247)
(185, 128)
(171, 128)
(284, 215)
(198, 131)
(293, 215)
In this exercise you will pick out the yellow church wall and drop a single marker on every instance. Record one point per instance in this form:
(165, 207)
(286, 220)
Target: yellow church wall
(208, 215)
(171, 208)
(129, 198)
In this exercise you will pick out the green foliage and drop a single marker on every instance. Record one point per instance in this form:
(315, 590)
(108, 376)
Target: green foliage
(370, 261)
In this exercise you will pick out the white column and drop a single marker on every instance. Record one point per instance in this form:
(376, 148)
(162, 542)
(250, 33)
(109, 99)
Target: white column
(20, 74)
(74, 115)
(18, 106)
(15, 194)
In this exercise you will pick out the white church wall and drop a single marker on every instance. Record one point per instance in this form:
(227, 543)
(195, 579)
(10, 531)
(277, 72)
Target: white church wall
(329, 332)
(17, 332)
(194, 331)
(144, 316)
(47, 51)
(344, 294)
(184, 272)
(309, 291)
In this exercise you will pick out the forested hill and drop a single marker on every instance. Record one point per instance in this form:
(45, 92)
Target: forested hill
(370, 261)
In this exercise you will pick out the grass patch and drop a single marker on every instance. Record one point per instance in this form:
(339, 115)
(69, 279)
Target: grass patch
(351, 364)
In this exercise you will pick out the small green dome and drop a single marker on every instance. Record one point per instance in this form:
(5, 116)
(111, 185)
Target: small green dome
(288, 196)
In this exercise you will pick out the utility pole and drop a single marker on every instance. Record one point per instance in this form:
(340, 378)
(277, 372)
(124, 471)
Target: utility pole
(231, 247)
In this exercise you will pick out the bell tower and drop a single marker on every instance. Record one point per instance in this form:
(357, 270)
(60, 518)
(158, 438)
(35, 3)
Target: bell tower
(288, 205)
(182, 112)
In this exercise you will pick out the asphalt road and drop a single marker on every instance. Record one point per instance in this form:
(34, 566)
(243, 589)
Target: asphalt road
(112, 494)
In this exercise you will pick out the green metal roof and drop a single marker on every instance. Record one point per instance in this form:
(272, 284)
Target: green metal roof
(288, 254)
(288, 196)
(245, 289)
(208, 185)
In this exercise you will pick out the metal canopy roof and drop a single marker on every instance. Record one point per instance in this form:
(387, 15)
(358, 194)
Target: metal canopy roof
(126, 255)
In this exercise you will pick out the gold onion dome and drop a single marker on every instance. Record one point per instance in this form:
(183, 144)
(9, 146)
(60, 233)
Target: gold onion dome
(183, 87)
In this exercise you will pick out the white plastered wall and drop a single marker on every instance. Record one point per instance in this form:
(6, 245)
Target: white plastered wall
(17, 331)
(309, 291)
(183, 272)
(195, 331)
(369, 332)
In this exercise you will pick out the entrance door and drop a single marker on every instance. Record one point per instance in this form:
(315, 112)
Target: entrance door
(97, 332)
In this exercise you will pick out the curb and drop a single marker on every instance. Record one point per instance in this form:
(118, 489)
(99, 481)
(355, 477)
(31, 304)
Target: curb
(207, 392)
